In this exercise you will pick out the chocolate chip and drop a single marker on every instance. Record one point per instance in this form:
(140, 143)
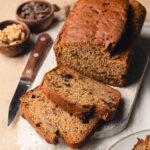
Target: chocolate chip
(85, 58)
(68, 76)
(34, 11)
(57, 132)
(109, 104)
(124, 76)
(85, 120)
(90, 91)
(68, 84)
(38, 124)
(106, 4)
(59, 54)
(33, 96)
(25, 6)
(78, 63)
(85, 106)
(56, 85)
(26, 105)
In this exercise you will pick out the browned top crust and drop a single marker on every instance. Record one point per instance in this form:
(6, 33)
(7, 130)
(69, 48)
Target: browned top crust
(100, 22)
(128, 42)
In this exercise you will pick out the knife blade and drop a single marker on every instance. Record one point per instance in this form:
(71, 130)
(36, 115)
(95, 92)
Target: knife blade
(35, 60)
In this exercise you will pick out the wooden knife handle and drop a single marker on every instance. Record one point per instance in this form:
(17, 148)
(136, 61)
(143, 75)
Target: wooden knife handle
(36, 57)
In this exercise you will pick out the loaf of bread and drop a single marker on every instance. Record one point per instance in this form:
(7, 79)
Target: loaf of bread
(52, 122)
(93, 23)
(97, 22)
(142, 144)
(79, 94)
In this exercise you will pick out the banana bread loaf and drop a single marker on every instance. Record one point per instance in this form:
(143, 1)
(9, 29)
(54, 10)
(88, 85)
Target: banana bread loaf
(79, 94)
(100, 23)
(52, 122)
(142, 144)
(77, 44)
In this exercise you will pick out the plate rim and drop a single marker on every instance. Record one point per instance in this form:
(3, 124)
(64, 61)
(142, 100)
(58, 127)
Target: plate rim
(127, 137)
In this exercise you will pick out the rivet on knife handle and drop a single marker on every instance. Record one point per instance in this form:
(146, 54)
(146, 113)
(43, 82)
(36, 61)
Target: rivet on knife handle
(35, 59)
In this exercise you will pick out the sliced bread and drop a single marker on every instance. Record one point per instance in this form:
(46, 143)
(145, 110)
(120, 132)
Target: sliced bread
(79, 94)
(52, 122)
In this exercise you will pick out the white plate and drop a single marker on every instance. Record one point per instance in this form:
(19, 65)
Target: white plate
(128, 142)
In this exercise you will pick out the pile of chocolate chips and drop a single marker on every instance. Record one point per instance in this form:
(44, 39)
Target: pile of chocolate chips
(34, 11)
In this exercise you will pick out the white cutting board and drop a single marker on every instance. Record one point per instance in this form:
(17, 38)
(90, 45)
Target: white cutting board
(28, 139)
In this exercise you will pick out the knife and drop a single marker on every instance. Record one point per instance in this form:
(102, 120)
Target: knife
(36, 58)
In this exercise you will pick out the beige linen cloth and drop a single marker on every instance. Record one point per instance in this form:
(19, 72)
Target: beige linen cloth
(11, 69)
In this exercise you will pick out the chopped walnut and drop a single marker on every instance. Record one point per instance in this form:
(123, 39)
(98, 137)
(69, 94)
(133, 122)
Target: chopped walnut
(12, 34)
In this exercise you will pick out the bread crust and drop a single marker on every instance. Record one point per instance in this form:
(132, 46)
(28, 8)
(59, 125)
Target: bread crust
(98, 15)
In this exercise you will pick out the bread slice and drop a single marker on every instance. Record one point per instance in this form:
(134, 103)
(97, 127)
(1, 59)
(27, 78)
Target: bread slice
(52, 122)
(88, 58)
(79, 94)
(142, 144)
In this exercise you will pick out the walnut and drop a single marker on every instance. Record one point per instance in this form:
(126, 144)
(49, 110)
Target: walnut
(12, 34)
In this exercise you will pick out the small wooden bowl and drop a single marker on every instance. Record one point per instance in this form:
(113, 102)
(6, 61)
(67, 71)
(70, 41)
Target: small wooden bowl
(40, 24)
(18, 48)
